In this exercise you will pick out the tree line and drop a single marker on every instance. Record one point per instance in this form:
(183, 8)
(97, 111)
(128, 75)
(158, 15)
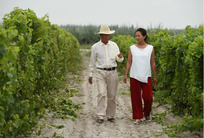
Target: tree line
(86, 34)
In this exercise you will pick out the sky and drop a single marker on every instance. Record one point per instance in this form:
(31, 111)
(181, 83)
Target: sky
(174, 14)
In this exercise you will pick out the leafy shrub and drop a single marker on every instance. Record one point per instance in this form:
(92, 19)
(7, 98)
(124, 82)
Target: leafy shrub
(34, 59)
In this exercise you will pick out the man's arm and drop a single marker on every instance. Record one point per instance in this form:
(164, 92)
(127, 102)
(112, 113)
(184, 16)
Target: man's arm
(119, 57)
(92, 64)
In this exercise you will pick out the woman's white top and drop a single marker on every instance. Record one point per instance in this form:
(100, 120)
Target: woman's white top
(141, 66)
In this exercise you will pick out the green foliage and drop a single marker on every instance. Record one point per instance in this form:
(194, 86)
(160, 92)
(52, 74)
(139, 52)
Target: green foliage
(160, 118)
(124, 42)
(191, 123)
(179, 61)
(62, 106)
(34, 58)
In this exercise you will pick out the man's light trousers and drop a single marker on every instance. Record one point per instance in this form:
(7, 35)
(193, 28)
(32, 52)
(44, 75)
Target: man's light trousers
(107, 83)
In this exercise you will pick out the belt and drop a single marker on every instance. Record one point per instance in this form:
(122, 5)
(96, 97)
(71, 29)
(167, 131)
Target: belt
(108, 69)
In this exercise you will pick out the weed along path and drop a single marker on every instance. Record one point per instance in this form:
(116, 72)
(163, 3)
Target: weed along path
(86, 127)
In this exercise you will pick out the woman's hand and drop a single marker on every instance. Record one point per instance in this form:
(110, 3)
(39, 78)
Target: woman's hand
(125, 79)
(155, 81)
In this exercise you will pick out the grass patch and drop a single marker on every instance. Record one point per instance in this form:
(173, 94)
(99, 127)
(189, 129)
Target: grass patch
(125, 94)
(88, 54)
(85, 46)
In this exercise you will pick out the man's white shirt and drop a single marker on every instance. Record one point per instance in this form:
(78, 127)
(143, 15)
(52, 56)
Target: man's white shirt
(104, 56)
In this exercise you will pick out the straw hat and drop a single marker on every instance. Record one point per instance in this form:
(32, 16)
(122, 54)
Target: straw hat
(104, 29)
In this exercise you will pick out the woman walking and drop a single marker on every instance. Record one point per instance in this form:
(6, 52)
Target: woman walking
(140, 62)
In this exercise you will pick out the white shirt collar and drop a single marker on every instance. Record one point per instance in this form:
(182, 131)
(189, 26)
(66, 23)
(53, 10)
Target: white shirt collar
(104, 44)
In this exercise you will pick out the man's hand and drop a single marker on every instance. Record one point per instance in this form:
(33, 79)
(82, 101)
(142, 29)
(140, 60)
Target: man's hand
(120, 55)
(90, 80)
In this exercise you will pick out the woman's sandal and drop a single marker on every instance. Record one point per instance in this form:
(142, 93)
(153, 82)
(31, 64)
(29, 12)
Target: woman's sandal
(148, 118)
(137, 121)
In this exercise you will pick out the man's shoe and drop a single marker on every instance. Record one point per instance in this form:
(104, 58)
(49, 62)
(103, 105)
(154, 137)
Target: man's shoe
(99, 121)
(111, 119)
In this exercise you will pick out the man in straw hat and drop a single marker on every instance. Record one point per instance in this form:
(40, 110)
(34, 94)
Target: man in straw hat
(104, 55)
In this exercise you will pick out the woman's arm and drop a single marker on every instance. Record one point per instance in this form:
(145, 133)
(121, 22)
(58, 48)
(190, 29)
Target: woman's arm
(128, 65)
(153, 66)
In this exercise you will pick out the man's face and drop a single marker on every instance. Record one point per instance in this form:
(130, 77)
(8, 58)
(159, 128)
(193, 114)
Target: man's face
(105, 38)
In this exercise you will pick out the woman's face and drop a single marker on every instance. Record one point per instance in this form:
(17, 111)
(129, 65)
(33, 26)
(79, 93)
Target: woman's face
(139, 37)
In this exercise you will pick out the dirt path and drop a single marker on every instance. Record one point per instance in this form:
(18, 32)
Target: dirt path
(86, 127)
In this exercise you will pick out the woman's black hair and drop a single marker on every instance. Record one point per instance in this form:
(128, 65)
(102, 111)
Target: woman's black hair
(143, 32)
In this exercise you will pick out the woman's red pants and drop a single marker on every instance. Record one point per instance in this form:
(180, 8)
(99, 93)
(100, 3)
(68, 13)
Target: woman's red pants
(139, 91)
